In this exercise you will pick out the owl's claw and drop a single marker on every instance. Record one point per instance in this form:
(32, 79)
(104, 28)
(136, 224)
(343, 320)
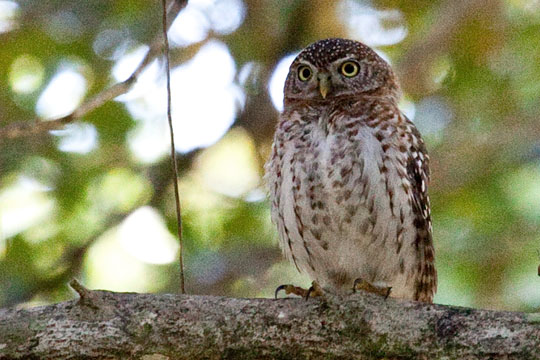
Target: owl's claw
(361, 284)
(279, 288)
(314, 290)
(290, 289)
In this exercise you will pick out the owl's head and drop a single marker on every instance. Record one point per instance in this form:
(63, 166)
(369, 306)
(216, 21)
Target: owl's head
(339, 68)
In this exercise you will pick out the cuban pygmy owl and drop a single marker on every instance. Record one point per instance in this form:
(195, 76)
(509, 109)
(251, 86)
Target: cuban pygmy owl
(348, 175)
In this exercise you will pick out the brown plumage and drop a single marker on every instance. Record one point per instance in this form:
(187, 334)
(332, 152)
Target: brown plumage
(348, 175)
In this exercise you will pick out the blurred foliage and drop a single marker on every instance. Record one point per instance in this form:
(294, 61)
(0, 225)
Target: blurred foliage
(88, 202)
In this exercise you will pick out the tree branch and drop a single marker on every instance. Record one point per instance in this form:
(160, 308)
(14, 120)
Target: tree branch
(103, 324)
(38, 126)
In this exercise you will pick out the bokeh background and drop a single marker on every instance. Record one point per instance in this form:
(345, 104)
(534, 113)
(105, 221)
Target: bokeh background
(95, 200)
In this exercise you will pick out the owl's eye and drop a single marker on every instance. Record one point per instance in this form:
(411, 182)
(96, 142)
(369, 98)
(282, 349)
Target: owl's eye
(349, 68)
(304, 73)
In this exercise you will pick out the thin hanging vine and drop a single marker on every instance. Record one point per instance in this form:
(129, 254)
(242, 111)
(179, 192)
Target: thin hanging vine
(173, 149)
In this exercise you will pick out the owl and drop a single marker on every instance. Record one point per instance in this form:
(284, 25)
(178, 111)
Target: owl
(348, 177)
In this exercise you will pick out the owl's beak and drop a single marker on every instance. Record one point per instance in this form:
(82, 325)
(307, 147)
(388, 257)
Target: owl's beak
(324, 85)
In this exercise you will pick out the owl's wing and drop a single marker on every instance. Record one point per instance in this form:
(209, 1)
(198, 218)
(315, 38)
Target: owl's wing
(418, 175)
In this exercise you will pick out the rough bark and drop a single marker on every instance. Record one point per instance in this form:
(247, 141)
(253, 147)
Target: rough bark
(104, 324)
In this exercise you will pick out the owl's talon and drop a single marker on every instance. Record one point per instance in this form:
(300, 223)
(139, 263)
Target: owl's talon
(388, 290)
(291, 289)
(361, 284)
(314, 290)
(278, 289)
(309, 291)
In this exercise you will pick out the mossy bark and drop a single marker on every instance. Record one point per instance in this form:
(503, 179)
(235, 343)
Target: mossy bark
(104, 324)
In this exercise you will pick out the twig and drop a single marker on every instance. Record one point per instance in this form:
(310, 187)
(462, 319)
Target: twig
(85, 295)
(38, 126)
(173, 149)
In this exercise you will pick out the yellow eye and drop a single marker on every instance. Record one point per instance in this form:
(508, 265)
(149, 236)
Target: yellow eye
(349, 68)
(304, 73)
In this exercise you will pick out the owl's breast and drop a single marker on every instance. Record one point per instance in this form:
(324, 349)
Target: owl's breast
(339, 199)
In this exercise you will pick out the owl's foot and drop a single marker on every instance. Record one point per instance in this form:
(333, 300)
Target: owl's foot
(361, 284)
(314, 290)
